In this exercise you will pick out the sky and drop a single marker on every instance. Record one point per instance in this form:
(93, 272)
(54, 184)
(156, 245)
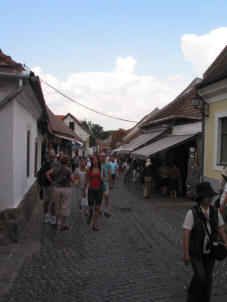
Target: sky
(120, 57)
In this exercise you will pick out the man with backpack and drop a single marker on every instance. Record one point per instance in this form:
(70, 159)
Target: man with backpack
(48, 204)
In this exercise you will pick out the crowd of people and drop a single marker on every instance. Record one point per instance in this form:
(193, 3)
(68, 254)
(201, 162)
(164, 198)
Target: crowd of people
(93, 176)
(165, 176)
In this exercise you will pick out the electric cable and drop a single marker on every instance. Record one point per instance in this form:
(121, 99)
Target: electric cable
(82, 105)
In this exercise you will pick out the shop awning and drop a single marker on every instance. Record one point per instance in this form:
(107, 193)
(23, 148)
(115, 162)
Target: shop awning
(138, 142)
(162, 144)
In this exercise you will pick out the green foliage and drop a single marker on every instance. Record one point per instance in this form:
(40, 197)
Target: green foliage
(117, 137)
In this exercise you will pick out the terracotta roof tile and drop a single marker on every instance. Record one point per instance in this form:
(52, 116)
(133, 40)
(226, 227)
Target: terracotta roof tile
(181, 106)
(8, 65)
(218, 66)
(217, 70)
(60, 117)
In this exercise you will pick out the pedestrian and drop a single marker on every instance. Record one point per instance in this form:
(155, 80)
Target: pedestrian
(94, 181)
(80, 174)
(200, 220)
(134, 169)
(127, 171)
(114, 170)
(107, 184)
(223, 191)
(60, 176)
(48, 204)
(164, 177)
(148, 174)
(173, 183)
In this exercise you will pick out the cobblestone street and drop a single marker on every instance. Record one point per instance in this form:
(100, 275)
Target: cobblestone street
(136, 256)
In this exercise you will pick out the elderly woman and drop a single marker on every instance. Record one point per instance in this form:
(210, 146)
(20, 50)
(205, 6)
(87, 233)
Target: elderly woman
(62, 190)
(148, 174)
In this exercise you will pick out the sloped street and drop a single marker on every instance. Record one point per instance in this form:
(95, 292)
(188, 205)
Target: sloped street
(136, 255)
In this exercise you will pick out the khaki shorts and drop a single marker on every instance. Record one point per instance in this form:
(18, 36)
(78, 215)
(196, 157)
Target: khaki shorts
(62, 198)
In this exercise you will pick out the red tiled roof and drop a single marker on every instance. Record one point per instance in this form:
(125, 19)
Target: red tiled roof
(60, 127)
(60, 117)
(180, 107)
(217, 70)
(218, 66)
(8, 65)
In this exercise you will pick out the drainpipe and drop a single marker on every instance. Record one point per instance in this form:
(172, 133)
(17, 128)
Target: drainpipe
(203, 149)
(14, 75)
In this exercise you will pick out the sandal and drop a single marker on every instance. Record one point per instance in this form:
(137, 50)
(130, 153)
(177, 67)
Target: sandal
(86, 213)
(95, 228)
(107, 214)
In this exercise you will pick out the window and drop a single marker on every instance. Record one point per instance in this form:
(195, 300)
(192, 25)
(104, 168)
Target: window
(28, 152)
(72, 125)
(223, 140)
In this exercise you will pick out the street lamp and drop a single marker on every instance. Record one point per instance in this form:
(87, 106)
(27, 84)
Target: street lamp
(199, 102)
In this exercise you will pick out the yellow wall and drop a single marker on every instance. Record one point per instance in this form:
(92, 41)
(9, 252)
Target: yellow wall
(210, 139)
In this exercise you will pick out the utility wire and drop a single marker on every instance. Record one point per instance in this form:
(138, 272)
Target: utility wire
(84, 106)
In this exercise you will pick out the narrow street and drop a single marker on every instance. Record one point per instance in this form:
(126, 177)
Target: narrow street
(136, 256)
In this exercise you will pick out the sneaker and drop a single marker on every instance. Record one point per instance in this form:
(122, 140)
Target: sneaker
(46, 218)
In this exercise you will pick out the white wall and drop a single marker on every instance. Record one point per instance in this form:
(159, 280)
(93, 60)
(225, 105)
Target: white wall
(83, 135)
(23, 121)
(6, 163)
(16, 117)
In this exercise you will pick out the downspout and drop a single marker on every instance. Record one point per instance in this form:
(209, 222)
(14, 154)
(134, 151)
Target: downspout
(203, 149)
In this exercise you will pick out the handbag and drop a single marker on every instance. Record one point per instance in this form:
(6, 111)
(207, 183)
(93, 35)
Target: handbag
(217, 248)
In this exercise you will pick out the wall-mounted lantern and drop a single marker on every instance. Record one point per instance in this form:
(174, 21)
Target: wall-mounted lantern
(199, 102)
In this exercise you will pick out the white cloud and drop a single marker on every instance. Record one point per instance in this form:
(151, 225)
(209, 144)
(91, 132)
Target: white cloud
(120, 92)
(202, 50)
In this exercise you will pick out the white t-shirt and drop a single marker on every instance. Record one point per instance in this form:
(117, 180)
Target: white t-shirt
(189, 223)
(223, 194)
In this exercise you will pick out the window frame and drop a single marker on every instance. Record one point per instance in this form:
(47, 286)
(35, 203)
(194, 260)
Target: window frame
(218, 164)
(72, 123)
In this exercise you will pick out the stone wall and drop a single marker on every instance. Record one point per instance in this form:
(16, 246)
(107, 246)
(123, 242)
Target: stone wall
(13, 221)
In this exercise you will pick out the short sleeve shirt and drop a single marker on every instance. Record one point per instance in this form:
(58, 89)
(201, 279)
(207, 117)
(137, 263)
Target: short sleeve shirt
(114, 167)
(189, 223)
(107, 168)
(223, 194)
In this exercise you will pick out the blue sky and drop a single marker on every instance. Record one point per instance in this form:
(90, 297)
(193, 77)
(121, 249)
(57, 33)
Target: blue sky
(64, 37)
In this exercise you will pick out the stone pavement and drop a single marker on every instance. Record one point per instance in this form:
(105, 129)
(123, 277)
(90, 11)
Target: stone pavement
(136, 256)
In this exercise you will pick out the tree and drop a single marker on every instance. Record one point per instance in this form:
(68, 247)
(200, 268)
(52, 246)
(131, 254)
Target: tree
(117, 137)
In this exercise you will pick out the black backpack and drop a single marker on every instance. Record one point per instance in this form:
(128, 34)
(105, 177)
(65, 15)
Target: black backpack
(41, 177)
